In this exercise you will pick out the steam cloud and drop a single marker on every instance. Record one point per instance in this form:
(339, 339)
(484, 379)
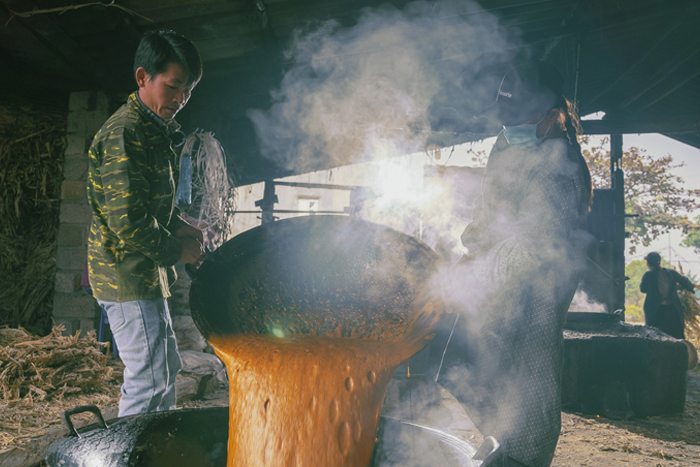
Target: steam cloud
(381, 89)
(375, 89)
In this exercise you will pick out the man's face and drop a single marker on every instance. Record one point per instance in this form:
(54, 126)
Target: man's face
(165, 93)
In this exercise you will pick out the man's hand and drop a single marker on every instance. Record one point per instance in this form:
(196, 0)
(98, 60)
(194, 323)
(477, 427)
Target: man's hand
(189, 231)
(192, 251)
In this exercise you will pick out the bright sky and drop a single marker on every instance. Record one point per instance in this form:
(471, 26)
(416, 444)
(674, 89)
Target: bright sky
(656, 145)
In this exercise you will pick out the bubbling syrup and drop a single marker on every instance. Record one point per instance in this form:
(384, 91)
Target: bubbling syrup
(306, 401)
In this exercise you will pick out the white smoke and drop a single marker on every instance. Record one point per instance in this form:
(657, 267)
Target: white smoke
(581, 302)
(369, 91)
(378, 90)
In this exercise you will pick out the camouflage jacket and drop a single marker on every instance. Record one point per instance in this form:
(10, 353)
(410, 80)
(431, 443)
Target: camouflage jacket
(132, 180)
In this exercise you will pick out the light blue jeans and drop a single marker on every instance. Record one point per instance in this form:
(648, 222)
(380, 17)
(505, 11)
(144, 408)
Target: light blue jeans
(146, 341)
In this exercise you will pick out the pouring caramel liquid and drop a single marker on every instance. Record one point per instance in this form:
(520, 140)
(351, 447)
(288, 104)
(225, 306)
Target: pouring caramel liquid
(306, 401)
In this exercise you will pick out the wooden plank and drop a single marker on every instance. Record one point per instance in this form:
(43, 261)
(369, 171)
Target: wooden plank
(173, 10)
(96, 20)
(612, 127)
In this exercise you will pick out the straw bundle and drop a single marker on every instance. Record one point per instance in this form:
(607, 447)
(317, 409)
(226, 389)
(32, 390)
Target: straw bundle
(52, 366)
(31, 171)
(691, 313)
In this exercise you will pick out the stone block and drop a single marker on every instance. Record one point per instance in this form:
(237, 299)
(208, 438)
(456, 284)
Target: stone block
(78, 100)
(76, 168)
(88, 100)
(76, 212)
(72, 235)
(87, 325)
(73, 190)
(77, 144)
(627, 371)
(78, 305)
(74, 258)
(70, 325)
(85, 123)
(68, 281)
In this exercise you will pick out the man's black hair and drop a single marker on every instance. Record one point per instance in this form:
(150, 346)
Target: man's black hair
(653, 259)
(159, 48)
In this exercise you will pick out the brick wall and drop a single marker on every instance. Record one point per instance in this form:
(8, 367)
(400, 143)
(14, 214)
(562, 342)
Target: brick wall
(72, 306)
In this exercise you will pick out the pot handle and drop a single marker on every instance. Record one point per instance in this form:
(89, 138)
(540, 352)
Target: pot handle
(83, 408)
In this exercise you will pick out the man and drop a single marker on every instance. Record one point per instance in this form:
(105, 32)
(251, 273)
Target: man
(662, 307)
(527, 243)
(137, 234)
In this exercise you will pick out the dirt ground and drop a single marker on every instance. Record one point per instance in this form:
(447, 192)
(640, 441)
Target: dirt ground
(662, 441)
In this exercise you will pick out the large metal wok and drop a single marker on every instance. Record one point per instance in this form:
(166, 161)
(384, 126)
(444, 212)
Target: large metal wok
(311, 316)
(322, 275)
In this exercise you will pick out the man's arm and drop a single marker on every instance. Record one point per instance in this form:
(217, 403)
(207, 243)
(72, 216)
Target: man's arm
(683, 282)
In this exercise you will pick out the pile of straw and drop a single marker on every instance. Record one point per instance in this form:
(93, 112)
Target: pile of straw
(23, 422)
(50, 367)
(40, 378)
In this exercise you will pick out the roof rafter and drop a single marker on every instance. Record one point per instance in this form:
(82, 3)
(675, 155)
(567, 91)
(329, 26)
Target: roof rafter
(60, 44)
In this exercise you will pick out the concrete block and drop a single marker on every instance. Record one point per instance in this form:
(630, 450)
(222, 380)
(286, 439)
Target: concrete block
(73, 190)
(76, 168)
(71, 325)
(78, 100)
(68, 281)
(85, 122)
(78, 305)
(101, 105)
(76, 212)
(628, 371)
(72, 235)
(74, 258)
(87, 325)
(77, 144)
(88, 100)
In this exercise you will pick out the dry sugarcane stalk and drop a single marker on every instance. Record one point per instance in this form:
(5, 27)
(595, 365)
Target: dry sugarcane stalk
(52, 365)
(691, 312)
(31, 171)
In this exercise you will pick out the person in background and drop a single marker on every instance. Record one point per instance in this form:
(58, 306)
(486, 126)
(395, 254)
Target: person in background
(137, 233)
(526, 250)
(662, 307)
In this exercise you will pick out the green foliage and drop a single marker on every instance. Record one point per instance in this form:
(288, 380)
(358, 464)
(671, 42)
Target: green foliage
(652, 193)
(634, 314)
(692, 240)
(634, 298)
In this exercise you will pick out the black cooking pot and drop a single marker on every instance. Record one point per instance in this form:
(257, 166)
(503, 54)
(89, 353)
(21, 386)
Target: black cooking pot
(176, 438)
(198, 438)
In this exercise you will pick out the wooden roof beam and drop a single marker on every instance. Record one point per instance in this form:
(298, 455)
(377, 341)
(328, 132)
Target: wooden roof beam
(60, 44)
(630, 126)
